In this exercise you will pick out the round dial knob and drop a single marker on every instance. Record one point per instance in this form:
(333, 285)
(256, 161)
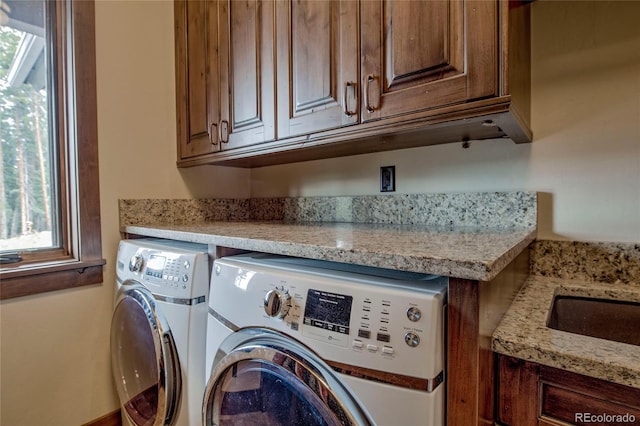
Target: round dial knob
(136, 263)
(414, 314)
(277, 303)
(412, 339)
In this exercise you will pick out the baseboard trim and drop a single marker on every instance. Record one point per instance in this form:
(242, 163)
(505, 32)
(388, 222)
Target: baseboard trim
(111, 419)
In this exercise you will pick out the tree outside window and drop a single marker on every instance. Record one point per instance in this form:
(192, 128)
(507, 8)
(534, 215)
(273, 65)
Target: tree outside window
(49, 182)
(26, 199)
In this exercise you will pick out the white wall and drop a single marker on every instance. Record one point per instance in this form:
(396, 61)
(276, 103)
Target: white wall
(585, 158)
(55, 360)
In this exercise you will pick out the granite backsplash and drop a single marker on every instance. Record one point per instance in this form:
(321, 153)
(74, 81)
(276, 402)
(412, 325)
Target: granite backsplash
(482, 209)
(583, 260)
(589, 261)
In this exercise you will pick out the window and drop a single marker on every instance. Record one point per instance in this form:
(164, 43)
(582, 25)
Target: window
(49, 197)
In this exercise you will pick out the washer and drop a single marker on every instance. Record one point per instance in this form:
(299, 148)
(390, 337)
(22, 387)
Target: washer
(158, 331)
(298, 341)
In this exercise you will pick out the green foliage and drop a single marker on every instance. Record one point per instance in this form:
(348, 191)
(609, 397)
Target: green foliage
(19, 108)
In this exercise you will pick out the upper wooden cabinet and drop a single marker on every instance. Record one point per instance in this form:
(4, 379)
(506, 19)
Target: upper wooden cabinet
(269, 82)
(317, 66)
(225, 77)
(247, 72)
(419, 55)
(197, 78)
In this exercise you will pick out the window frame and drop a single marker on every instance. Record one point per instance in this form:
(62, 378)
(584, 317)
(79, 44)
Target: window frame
(79, 261)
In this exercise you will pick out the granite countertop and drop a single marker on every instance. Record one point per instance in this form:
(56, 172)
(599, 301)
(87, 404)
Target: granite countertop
(463, 252)
(523, 332)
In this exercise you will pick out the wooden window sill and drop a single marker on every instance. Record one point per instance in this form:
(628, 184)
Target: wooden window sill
(51, 276)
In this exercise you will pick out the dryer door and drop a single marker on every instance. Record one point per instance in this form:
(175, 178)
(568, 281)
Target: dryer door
(266, 378)
(143, 358)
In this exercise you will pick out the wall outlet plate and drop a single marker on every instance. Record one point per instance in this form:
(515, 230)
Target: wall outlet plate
(387, 179)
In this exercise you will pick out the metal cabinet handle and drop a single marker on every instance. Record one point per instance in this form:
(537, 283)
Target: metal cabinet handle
(224, 131)
(370, 109)
(346, 106)
(213, 134)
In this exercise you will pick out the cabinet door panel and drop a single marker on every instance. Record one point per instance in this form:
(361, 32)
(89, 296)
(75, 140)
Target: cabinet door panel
(197, 89)
(417, 54)
(318, 88)
(197, 81)
(311, 45)
(247, 72)
(408, 62)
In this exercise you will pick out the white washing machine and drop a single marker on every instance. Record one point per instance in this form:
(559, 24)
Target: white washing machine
(158, 331)
(303, 342)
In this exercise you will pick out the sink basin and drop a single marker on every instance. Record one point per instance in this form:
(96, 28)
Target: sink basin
(606, 319)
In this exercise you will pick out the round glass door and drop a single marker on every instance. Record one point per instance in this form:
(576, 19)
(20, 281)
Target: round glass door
(143, 358)
(273, 381)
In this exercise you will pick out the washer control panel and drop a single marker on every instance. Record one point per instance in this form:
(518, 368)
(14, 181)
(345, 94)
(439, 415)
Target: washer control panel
(394, 325)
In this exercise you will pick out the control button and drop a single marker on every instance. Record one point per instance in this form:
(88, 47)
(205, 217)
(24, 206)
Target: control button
(412, 339)
(358, 344)
(387, 350)
(372, 348)
(384, 337)
(277, 303)
(414, 314)
(365, 334)
(185, 278)
(186, 264)
(136, 263)
(165, 276)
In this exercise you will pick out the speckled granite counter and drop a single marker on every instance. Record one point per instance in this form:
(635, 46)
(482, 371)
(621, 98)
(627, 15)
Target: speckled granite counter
(523, 332)
(470, 253)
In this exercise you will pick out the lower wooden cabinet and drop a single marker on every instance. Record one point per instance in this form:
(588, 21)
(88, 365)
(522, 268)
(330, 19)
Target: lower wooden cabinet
(534, 394)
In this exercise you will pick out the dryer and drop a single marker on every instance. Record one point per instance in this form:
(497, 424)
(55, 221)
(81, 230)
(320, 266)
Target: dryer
(299, 341)
(158, 331)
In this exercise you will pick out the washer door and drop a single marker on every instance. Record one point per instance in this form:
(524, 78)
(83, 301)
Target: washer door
(144, 359)
(263, 377)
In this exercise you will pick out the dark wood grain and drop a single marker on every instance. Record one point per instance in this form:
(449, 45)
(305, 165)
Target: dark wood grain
(434, 65)
(462, 356)
(450, 124)
(533, 394)
(517, 392)
(432, 54)
(247, 71)
(111, 419)
(317, 55)
(197, 77)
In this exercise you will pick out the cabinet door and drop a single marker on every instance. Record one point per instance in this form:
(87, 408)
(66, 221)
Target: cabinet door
(418, 55)
(318, 62)
(197, 79)
(247, 73)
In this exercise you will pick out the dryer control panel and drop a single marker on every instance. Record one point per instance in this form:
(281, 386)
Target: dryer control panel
(168, 269)
(171, 269)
